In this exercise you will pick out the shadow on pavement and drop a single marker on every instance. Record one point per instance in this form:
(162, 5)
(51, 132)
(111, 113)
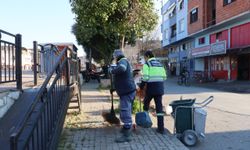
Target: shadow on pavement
(236, 140)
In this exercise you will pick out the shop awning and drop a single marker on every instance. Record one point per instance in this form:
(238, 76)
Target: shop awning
(239, 50)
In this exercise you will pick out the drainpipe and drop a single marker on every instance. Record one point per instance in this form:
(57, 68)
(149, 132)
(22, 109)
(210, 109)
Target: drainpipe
(228, 45)
(229, 68)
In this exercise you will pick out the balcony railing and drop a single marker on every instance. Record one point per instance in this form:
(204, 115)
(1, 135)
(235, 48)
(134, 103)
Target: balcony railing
(211, 23)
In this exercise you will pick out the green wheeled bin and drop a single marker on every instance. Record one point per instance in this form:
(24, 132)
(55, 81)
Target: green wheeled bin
(183, 114)
(190, 120)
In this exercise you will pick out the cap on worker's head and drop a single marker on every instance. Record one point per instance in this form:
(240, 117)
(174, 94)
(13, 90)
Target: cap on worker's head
(118, 53)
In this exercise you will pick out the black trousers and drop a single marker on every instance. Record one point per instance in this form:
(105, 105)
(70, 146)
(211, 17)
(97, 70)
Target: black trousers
(159, 112)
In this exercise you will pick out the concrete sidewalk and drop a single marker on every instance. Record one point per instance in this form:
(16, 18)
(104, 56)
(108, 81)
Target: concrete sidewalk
(88, 130)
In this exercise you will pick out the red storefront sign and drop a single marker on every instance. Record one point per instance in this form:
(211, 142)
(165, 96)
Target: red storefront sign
(201, 51)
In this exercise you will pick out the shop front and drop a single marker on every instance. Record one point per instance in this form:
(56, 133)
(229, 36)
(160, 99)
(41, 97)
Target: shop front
(234, 65)
(244, 67)
(240, 44)
(173, 65)
(219, 61)
(184, 62)
(200, 59)
(213, 62)
(240, 63)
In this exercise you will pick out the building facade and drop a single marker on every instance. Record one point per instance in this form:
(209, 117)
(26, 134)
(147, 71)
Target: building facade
(217, 43)
(7, 56)
(27, 59)
(220, 32)
(175, 34)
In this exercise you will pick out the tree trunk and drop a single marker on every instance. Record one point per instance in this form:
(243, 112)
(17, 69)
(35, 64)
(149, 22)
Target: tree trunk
(122, 42)
(90, 55)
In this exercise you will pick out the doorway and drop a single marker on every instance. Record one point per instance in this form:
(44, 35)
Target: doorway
(244, 67)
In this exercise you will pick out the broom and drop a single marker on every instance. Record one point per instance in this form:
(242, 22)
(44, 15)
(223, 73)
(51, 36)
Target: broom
(110, 117)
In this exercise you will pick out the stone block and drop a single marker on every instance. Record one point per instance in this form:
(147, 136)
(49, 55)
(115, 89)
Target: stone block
(14, 95)
(6, 102)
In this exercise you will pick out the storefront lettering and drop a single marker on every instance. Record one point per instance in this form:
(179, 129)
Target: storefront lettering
(201, 51)
(213, 49)
(218, 48)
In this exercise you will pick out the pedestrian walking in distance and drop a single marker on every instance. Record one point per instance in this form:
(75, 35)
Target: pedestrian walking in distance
(126, 90)
(153, 77)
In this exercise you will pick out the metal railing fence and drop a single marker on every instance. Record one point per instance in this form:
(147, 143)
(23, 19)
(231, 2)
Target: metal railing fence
(10, 58)
(43, 123)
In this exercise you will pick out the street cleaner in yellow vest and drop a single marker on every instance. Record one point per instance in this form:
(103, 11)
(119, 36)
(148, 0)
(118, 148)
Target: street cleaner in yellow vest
(153, 79)
(126, 90)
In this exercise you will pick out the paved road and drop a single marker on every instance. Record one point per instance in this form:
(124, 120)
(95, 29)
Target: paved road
(228, 120)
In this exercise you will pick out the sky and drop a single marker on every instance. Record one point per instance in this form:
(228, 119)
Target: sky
(44, 21)
(156, 33)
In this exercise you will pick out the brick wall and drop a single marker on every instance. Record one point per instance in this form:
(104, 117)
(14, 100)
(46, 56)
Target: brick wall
(198, 25)
(235, 8)
(222, 12)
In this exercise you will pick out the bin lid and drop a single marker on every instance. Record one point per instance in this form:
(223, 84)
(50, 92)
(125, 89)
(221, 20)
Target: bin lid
(181, 102)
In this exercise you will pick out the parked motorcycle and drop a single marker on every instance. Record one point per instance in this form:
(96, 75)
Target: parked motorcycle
(92, 75)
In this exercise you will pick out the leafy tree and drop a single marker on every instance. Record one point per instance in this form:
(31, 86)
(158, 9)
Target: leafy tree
(100, 46)
(103, 25)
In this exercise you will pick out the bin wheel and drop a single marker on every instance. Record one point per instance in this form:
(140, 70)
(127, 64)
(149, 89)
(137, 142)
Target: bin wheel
(189, 138)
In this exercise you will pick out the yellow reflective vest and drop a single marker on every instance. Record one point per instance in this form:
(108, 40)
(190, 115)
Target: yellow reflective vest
(153, 71)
